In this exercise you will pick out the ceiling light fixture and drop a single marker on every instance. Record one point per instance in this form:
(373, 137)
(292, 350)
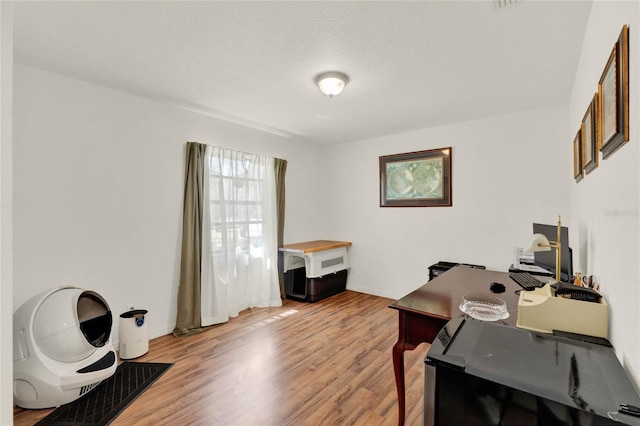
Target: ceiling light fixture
(331, 83)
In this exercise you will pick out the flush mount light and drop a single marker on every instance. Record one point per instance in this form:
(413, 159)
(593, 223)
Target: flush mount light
(331, 83)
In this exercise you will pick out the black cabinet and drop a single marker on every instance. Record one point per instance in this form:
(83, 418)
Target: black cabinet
(441, 267)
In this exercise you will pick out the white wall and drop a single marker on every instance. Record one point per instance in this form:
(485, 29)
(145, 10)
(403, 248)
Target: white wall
(605, 204)
(6, 212)
(98, 187)
(508, 172)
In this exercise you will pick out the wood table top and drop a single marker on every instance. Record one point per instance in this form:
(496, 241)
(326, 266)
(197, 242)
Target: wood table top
(311, 246)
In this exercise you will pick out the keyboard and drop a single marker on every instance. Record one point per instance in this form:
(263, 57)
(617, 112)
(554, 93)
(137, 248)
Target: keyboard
(525, 280)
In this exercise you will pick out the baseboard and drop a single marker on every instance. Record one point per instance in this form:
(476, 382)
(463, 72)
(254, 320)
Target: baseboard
(374, 292)
(161, 332)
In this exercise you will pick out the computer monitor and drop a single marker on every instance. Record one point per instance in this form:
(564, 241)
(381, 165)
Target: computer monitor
(547, 259)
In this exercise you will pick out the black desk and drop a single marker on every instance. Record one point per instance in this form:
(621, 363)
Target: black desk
(486, 373)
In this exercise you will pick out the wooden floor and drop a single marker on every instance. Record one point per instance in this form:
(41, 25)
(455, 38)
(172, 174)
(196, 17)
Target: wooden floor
(324, 363)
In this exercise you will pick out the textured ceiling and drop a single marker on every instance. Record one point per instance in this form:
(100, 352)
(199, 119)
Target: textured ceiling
(412, 65)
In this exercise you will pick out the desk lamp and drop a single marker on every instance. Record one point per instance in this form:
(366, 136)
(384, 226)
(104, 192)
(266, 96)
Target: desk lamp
(540, 243)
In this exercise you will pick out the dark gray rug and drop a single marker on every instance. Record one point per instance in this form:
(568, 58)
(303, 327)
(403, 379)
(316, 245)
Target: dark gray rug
(104, 403)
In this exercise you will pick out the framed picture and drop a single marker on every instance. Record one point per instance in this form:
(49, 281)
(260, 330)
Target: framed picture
(590, 137)
(613, 92)
(578, 171)
(416, 179)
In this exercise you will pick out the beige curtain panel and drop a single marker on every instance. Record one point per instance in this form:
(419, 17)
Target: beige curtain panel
(280, 166)
(188, 316)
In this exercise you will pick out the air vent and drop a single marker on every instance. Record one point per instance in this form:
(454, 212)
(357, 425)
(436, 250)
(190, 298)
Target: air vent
(332, 262)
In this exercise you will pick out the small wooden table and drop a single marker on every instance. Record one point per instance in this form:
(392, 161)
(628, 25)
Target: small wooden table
(423, 312)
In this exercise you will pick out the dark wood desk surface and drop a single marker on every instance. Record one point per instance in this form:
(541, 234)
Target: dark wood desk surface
(423, 312)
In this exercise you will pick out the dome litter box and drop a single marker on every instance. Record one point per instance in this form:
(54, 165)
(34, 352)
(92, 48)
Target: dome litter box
(61, 347)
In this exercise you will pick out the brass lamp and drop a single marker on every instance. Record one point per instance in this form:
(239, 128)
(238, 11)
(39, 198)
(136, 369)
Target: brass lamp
(540, 243)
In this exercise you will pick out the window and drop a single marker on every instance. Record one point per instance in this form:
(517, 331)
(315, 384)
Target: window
(240, 213)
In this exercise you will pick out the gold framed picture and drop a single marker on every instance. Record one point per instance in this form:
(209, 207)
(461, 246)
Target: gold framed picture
(613, 94)
(578, 171)
(590, 136)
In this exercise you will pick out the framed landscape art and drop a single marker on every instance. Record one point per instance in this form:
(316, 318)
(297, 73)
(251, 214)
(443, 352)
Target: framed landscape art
(416, 179)
(590, 136)
(613, 93)
(578, 171)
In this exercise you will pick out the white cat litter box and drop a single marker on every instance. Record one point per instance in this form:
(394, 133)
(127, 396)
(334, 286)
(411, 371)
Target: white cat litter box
(61, 347)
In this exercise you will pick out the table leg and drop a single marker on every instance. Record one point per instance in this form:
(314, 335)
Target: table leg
(398, 369)
(412, 331)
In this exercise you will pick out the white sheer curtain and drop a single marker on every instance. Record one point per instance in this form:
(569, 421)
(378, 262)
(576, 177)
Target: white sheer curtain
(239, 234)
